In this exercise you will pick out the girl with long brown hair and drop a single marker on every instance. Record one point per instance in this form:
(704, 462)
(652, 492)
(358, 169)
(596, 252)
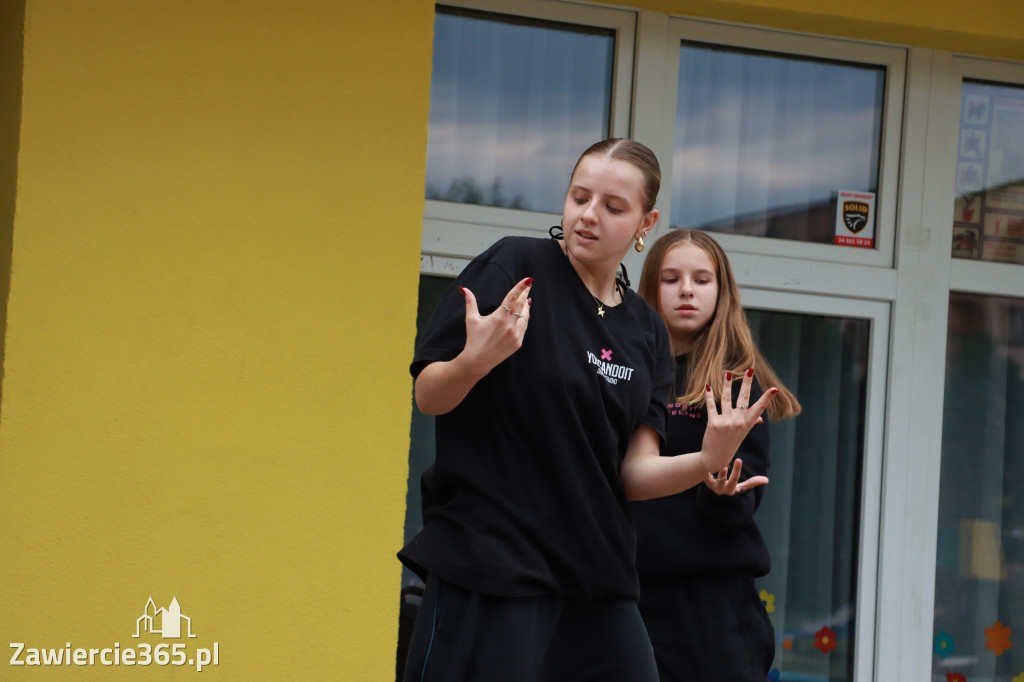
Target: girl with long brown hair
(699, 551)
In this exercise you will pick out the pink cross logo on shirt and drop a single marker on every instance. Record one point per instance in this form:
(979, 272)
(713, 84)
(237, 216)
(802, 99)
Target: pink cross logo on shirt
(606, 354)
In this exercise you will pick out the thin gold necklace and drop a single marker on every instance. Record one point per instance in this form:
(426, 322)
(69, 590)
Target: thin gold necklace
(599, 302)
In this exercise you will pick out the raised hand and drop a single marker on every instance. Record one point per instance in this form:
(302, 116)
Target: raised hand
(442, 385)
(490, 339)
(726, 483)
(727, 429)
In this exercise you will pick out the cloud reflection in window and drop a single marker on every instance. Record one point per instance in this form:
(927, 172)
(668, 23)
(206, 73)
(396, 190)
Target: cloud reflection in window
(763, 141)
(513, 102)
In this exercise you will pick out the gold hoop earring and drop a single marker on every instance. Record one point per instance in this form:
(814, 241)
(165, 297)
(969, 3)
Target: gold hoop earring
(639, 246)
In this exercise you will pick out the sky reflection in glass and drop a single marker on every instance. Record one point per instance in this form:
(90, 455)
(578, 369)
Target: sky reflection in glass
(764, 141)
(513, 103)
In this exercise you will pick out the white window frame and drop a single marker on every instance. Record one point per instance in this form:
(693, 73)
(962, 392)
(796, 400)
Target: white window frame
(878, 315)
(663, 75)
(927, 275)
(454, 233)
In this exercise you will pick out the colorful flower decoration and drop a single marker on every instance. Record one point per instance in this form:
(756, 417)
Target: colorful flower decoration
(787, 643)
(774, 676)
(768, 599)
(955, 677)
(1018, 678)
(825, 640)
(943, 644)
(998, 638)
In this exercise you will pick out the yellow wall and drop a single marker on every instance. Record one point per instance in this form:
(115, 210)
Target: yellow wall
(11, 20)
(211, 312)
(987, 28)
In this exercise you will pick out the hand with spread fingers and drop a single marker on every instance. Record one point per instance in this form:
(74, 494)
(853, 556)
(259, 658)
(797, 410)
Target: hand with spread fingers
(490, 339)
(727, 428)
(726, 483)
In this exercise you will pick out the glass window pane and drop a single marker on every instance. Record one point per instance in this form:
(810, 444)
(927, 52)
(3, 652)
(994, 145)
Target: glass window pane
(513, 103)
(764, 142)
(810, 513)
(979, 567)
(988, 212)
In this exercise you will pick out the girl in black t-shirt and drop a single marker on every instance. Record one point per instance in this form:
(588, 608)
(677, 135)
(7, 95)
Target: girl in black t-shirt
(699, 551)
(549, 381)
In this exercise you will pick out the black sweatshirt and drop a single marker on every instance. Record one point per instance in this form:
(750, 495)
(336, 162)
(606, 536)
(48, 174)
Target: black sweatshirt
(696, 530)
(526, 497)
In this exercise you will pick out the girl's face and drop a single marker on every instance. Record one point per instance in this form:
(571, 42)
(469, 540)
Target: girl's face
(604, 210)
(687, 294)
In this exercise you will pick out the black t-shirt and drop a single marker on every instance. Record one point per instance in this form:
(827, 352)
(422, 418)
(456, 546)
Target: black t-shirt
(696, 530)
(525, 496)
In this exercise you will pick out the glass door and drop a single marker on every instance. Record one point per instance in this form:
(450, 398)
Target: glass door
(820, 511)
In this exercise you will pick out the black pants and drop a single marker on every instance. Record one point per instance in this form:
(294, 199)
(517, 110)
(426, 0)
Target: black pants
(464, 635)
(709, 628)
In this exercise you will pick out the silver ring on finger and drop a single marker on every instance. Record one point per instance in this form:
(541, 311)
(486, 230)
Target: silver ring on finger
(505, 307)
(519, 315)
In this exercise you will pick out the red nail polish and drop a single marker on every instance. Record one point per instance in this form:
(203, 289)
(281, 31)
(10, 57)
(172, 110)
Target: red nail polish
(728, 376)
(529, 281)
(707, 387)
(529, 301)
(773, 390)
(462, 290)
(750, 372)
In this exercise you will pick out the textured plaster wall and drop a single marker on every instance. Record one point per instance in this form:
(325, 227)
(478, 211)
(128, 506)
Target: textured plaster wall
(12, 15)
(986, 28)
(212, 306)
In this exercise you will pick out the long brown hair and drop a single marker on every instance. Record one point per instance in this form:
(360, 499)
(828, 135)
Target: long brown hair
(725, 343)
